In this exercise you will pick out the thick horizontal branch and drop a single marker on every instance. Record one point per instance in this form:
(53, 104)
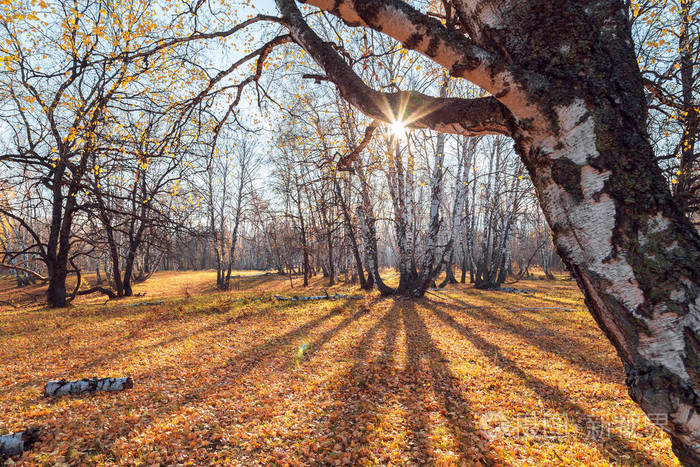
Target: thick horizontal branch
(461, 56)
(469, 117)
(417, 31)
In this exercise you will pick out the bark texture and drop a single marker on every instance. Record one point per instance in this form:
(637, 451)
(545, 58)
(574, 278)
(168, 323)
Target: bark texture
(571, 96)
(81, 386)
(15, 444)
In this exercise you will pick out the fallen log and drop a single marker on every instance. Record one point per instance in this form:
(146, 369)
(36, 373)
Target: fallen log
(514, 290)
(320, 297)
(558, 308)
(63, 387)
(15, 444)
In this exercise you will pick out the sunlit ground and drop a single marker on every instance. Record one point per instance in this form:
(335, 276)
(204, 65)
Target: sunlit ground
(455, 378)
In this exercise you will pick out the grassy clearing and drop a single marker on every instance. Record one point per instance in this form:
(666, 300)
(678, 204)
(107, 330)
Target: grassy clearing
(454, 378)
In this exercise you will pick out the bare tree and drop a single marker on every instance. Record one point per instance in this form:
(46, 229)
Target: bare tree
(229, 175)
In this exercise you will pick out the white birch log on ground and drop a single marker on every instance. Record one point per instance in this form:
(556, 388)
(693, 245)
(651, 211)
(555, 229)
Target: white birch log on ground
(320, 297)
(63, 387)
(513, 290)
(15, 444)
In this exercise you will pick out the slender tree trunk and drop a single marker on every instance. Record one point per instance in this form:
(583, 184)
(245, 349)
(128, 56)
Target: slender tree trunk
(56, 268)
(686, 188)
(351, 235)
(98, 273)
(232, 251)
(449, 273)
(459, 207)
(370, 239)
(331, 260)
(306, 264)
(431, 264)
(463, 279)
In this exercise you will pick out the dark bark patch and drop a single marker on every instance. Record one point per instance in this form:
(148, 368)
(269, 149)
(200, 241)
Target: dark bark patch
(459, 68)
(568, 175)
(503, 93)
(433, 47)
(413, 40)
(657, 268)
(525, 124)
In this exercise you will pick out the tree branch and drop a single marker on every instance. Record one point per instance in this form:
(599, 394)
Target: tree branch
(345, 161)
(23, 269)
(469, 117)
(422, 33)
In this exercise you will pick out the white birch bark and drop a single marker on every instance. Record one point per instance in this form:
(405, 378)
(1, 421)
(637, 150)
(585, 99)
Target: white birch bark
(62, 387)
(15, 444)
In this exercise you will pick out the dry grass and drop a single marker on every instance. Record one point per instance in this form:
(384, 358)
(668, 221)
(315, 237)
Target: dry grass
(454, 378)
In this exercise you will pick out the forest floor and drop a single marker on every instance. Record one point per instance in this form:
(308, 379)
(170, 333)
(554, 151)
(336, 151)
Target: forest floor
(461, 376)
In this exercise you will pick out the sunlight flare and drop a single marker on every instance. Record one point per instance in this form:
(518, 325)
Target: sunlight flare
(398, 129)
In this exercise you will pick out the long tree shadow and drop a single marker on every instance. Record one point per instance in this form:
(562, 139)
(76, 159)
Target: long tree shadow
(244, 361)
(614, 447)
(119, 353)
(363, 390)
(577, 352)
(421, 346)
(515, 301)
(324, 338)
(235, 368)
(553, 300)
(375, 386)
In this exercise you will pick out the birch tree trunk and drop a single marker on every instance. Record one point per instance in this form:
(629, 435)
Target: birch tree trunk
(429, 268)
(350, 233)
(459, 207)
(369, 233)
